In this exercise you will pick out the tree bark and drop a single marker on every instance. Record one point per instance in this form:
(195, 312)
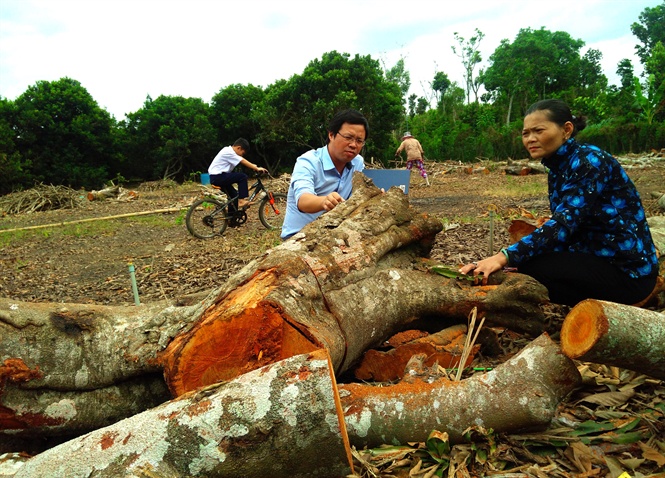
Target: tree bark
(70, 368)
(522, 393)
(616, 334)
(287, 419)
(346, 283)
(281, 420)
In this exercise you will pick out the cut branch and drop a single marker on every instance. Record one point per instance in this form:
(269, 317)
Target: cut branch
(616, 334)
(522, 393)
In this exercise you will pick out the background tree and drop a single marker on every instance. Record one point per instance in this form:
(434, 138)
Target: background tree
(63, 134)
(650, 29)
(13, 169)
(440, 85)
(232, 112)
(470, 56)
(295, 113)
(536, 65)
(169, 138)
(400, 76)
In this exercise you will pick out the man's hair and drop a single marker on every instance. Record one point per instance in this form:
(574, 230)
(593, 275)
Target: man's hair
(347, 116)
(243, 143)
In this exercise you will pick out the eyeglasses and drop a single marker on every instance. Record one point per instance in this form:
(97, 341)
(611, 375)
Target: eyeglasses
(352, 139)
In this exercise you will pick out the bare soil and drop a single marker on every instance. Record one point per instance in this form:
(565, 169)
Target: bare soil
(88, 262)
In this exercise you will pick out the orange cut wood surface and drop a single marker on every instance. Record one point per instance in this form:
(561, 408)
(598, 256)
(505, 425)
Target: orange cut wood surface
(584, 326)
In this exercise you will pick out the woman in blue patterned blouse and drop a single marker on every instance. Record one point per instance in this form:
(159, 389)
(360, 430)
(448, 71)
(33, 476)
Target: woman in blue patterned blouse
(597, 243)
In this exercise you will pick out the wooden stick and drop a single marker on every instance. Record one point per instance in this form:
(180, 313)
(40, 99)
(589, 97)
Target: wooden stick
(91, 219)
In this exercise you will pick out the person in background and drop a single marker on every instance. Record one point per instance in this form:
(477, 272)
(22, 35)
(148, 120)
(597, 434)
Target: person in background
(414, 154)
(222, 174)
(597, 243)
(322, 178)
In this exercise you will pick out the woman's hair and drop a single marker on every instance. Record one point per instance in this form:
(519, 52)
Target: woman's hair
(347, 116)
(558, 112)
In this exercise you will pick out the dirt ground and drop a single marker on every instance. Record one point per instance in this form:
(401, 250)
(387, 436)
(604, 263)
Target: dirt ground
(88, 262)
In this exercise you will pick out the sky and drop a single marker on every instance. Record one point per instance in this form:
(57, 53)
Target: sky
(122, 51)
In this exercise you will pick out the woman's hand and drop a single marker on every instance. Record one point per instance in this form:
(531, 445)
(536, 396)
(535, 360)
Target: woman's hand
(485, 267)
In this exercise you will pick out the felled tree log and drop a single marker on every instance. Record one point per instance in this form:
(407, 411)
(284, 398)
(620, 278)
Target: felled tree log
(443, 348)
(281, 420)
(286, 419)
(522, 393)
(105, 193)
(116, 192)
(524, 168)
(346, 283)
(71, 368)
(616, 334)
(479, 170)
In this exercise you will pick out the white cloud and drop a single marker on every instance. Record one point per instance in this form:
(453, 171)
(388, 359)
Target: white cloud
(123, 50)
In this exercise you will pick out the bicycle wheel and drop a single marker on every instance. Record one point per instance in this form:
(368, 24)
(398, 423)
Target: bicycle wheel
(272, 214)
(206, 218)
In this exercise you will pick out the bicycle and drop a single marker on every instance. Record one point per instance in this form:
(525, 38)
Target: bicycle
(210, 216)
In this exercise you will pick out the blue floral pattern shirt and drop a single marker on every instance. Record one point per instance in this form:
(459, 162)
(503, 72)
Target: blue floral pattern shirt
(596, 209)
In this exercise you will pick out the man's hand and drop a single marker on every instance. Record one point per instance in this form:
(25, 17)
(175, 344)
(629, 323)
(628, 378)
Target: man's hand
(331, 200)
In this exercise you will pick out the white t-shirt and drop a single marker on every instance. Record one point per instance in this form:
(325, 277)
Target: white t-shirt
(225, 161)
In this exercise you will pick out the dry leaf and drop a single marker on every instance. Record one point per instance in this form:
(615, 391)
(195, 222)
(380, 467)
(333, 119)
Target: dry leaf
(610, 399)
(652, 454)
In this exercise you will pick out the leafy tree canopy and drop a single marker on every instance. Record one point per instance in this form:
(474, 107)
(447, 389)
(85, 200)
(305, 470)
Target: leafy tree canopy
(649, 30)
(64, 134)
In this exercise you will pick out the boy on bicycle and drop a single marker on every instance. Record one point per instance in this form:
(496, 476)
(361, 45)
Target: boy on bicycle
(222, 174)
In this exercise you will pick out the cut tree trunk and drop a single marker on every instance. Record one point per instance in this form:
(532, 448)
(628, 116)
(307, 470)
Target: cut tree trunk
(281, 420)
(287, 419)
(616, 334)
(346, 283)
(522, 393)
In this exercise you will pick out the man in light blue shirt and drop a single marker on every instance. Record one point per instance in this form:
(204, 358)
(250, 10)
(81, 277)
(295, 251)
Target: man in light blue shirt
(322, 178)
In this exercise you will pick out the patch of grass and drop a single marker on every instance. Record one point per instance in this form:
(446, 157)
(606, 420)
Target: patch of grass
(86, 229)
(160, 220)
(520, 187)
(255, 243)
(8, 238)
(180, 218)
